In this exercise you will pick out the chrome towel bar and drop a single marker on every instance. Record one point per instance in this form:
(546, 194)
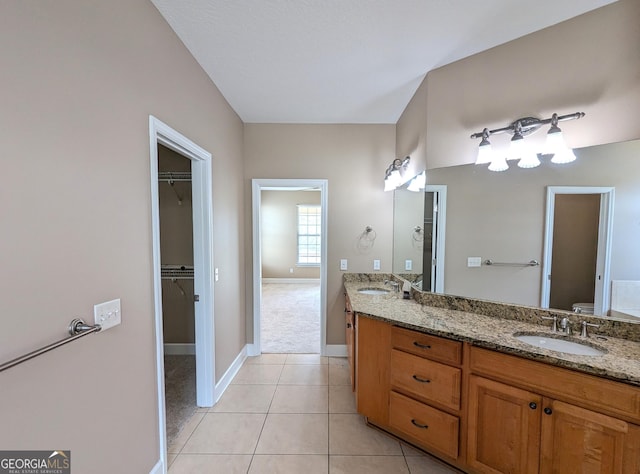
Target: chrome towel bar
(530, 263)
(77, 329)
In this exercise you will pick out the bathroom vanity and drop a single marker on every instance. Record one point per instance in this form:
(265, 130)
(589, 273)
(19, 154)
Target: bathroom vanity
(460, 386)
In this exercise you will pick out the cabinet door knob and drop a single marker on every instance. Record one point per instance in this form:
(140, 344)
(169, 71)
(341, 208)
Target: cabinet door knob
(348, 325)
(415, 423)
(548, 411)
(533, 405)
(421, 346)
(421, 380)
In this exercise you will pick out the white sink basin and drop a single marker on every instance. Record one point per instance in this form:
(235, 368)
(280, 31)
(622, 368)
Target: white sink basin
(373, 291)
(560, 345)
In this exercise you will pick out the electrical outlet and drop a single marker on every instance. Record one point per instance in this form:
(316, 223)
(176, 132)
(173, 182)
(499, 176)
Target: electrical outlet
(343, 264)
(376, 264)
(474, 261)
(290, 270)
(107, 314)
(408, 265)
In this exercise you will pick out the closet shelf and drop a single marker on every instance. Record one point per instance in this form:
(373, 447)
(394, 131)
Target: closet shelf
(174, 176)
(176, 272)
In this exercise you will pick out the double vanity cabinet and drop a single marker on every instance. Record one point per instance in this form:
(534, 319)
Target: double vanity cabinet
(485, 411)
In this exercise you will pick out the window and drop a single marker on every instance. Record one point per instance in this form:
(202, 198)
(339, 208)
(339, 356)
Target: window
(308, 235)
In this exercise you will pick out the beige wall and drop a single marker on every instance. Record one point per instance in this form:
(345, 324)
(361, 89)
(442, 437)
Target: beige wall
(353, 159)
(500, 216)
(279, 229)
(589, 64)
(79, 81)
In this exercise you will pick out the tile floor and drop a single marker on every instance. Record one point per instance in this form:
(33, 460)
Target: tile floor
(291, 413)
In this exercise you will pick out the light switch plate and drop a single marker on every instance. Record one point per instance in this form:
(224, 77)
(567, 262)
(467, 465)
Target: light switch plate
(474, 261)
(376, 264)
(408, 265)
(107, 314)
(343, 264)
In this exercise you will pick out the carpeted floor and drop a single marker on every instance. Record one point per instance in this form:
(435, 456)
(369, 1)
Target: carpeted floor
(290, 318)
(180, 392)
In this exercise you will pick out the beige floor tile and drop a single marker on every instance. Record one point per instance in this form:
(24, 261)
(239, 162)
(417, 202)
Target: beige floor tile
(341, 399)
(348, 434)
(409, 450)
(342, 361)
(187, 431)
(289, 464)
(171, 458)
(226, 433)
(339, 375)
(428, 465)
(258, 374)
(306, 359)
(210, 464)
(294, 434)
(367, 465)
(300, 399)
(304, 375)
(267, 359)
(245, 399)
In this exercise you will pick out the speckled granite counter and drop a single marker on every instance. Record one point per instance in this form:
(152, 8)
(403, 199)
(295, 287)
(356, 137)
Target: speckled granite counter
(620, 363)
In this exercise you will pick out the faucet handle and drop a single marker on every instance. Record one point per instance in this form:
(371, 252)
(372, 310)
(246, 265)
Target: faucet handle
(554, 326)
(585, 325)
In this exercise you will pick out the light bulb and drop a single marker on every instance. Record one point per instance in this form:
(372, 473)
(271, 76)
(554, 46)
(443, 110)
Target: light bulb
(485, 153)
(499, 164)
(529, 160)
(564, 156)
(418, 182)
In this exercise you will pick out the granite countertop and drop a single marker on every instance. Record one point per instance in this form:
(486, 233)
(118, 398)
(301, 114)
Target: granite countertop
(621, 362)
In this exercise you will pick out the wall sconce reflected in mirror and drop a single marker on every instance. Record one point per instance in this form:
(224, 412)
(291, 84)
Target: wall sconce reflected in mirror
(555, 144)
(393, 176)
(418, 182)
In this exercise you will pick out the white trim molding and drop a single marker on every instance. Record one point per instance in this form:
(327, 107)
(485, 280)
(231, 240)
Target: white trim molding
(336, 350)
(230, 373)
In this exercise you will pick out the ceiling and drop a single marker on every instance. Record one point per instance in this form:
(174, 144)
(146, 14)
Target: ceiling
(344, 61)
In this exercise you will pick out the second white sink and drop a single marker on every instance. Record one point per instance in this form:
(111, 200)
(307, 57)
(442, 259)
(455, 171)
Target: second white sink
(560, 345)
(373, 291)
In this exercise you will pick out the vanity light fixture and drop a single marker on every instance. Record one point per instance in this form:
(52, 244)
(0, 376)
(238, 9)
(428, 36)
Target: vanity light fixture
(393, 175)
(418, 182)
(518, 150)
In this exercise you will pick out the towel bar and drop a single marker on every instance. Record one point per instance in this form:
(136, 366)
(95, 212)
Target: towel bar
(530, 263)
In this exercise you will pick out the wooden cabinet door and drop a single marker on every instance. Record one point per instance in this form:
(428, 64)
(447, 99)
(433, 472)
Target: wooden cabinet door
(503, 428)
(578, 440)
(373, 347)
(350, 337)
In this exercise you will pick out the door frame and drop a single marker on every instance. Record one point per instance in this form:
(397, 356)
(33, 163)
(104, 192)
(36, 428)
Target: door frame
(605, 232)
(257, 185)
(202, 197)
(437, 247)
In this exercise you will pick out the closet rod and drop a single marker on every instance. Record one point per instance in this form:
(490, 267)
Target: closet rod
(171, 176)
(77, 329)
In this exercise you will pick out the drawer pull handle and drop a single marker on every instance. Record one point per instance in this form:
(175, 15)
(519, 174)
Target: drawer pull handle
(421, 346)
(421, 380)
(415, 423)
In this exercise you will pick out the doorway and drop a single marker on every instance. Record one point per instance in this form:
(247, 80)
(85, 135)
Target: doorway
(277, 223)
(577, 248)
(161, 135)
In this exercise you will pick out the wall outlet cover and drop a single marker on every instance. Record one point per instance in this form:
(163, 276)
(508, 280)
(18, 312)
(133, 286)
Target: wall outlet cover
(343, 264)
(376, 264)
(408, 265)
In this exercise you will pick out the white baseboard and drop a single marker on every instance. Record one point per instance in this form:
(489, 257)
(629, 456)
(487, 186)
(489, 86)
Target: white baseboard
(179, 349)
(291, 280)
(158, 468)
(335, 350)
(228, 376)
(252, 350)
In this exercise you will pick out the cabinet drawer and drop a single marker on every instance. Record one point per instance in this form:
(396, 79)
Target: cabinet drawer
(425, 425)
(423, 378)
(425, 345)
(604, 396)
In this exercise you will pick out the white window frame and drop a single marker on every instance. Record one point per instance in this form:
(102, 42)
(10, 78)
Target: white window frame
(318, 235)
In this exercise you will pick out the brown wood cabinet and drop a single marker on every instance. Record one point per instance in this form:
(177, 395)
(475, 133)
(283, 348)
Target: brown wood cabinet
(350, 334)
(515, 430)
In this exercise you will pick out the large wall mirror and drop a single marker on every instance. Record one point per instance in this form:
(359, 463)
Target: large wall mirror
(503, 217)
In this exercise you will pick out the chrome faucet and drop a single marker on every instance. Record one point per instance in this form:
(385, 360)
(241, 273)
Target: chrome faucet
(554, 325)
(393, 284)
(585, 325)
(565, 325)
